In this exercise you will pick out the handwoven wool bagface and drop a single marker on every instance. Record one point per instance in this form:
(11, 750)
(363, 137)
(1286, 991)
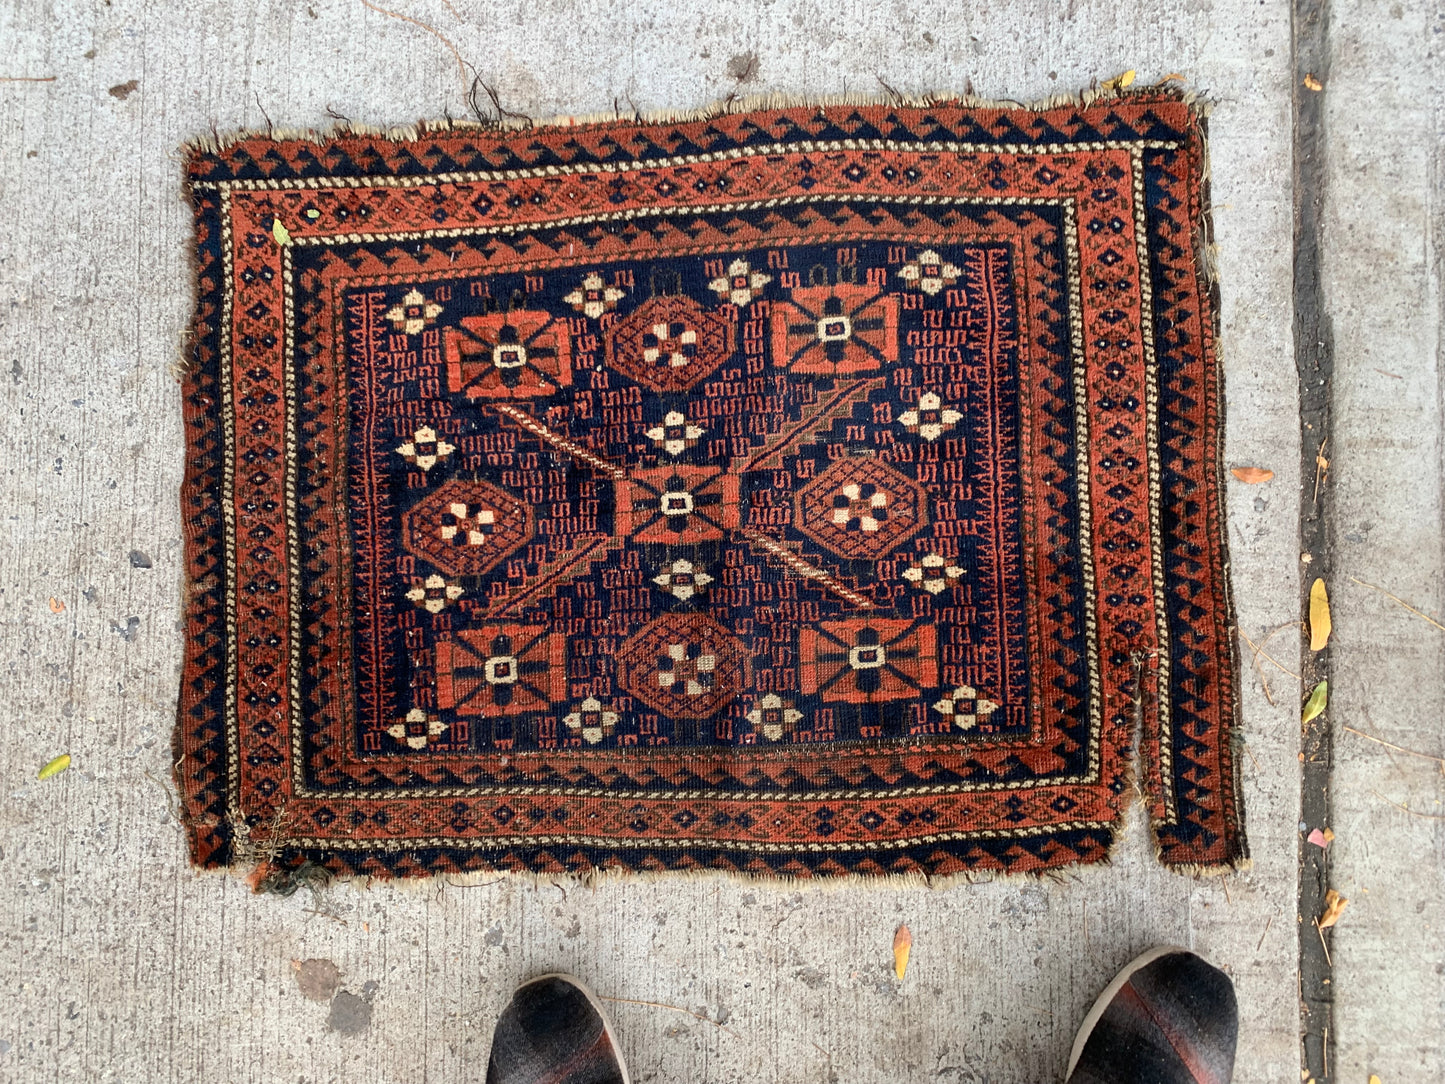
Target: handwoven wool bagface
(812, 490)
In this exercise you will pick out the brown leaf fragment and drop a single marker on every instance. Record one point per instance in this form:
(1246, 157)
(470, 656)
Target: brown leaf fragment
(902, 946)
(1252, 475)
(1334, 908)
(1319, 615)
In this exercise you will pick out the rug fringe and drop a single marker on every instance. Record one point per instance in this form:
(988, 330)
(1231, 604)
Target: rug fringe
(216, 142)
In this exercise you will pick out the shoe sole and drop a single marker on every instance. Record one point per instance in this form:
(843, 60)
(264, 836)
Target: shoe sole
(596, 1003)
(1101, 1003)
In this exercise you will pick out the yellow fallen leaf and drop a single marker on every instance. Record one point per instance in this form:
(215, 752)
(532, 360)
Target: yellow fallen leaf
(1319, 615)
(1374, 1079)
(1252, 475)
(1316, 703)
(1311, 83)
(1119, 81)
(55, 767)
(280, 232)
(1334, 907)
(902, 946)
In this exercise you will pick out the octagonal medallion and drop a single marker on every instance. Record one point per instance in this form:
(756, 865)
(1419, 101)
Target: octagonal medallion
(466, 528)
(687, 666)
(669, 343)
(861, 508)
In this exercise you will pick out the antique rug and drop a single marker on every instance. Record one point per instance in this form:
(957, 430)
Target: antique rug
(797, 491)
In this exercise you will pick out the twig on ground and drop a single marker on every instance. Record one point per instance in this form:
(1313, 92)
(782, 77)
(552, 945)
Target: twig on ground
(496, 100)
(1397, 748)
(1323, 944)
(1407, 809)
(27, 78)
(461, 64)
(674, 1008)
(1321, 466)
(1401, 601)
(1260, 652)
(1250, 753)
(270, 128)
(325, 914)
(1267, 924)
(897, 98)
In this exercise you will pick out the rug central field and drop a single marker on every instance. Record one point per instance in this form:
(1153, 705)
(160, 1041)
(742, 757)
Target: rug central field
(806, 491)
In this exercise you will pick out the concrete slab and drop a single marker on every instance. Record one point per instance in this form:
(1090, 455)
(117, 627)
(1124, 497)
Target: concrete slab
(118, 963)
(1383, 228)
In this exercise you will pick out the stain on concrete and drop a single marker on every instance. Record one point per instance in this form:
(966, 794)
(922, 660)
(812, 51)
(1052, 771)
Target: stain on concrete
(351, 1013)
(494, 935)
(316, 979)
(811, 977)
(129, 631)
(744, 67)
(139, 559)
(1028, 901)
(122, 91)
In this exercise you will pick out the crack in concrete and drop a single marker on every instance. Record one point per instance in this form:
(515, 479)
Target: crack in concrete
(1314, 362)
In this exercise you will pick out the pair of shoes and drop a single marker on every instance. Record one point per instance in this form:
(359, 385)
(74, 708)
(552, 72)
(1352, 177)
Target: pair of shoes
(1167, 1018)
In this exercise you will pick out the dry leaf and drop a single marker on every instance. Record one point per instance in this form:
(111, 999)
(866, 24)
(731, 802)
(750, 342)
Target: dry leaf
(1316, 703)
(1319, 615)
(1311, 83)
(55, 767)
(1374, 1079)
(280, 232)
(1252, 475)
(902, 946)
(1329, 837)
(1334, 908)
(56, 606)
(1119, 81)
